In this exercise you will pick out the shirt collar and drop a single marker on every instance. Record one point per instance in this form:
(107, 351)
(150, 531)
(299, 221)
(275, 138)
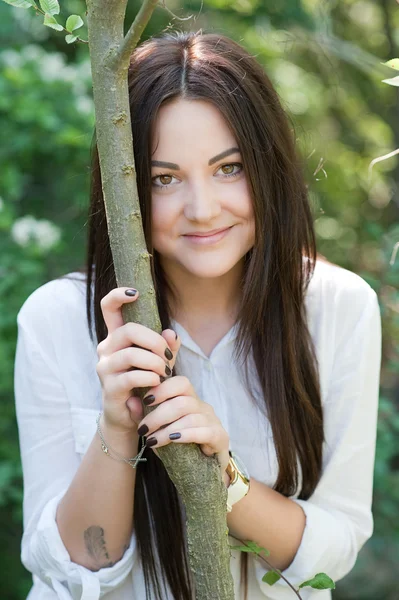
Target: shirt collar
(189, 343)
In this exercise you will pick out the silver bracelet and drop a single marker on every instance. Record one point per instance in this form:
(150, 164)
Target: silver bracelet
(106, 449)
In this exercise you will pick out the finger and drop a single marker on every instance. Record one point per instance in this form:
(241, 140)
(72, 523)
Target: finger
(169, 389)
(121, 386)
(111, 307)
(124, 360)
(190, 420)
(135, 407)
(168, 412)
(137, 334)
(210, 439)
(173, 341)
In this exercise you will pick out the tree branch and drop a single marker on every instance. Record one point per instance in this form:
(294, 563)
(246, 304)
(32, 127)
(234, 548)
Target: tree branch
(135, 32)
(196, 477)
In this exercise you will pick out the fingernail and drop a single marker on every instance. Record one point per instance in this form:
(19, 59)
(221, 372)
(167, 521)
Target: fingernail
(174, 436)
(168, 371)
(168, 354)
(142, 430)
(176, 336)
(131, 292)
(152, 441)
(149, 399)
(162, 379)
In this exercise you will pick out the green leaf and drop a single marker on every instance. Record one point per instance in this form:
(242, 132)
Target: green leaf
(394, 81)
(19, 3)
(321, 581)
(73, 22)
(50, 6)
(271, 577)
(393, 63)
(70, 38)
(51, 21)
(252, 547)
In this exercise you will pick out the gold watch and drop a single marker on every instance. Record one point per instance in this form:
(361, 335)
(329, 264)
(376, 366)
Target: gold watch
(239, 480)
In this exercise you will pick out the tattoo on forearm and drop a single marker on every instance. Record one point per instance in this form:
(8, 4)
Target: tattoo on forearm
(95, 544)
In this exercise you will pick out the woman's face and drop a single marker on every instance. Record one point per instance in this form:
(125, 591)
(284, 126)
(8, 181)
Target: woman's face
(197, 191)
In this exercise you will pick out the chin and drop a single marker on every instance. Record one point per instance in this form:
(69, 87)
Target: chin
(211, 268)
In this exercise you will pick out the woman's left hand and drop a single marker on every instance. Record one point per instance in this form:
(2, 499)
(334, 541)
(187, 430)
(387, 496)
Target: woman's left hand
(180, 410)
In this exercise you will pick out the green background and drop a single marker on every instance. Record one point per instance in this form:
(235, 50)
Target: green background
(324, 59)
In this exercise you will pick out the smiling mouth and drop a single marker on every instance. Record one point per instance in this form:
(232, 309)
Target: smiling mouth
(208, 239)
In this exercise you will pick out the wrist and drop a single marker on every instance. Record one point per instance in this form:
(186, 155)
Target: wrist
(121, 440)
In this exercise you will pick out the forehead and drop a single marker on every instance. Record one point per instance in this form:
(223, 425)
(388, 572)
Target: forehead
(190, 123)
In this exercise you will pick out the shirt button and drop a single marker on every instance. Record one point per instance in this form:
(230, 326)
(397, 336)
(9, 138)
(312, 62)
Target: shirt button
(208, 365)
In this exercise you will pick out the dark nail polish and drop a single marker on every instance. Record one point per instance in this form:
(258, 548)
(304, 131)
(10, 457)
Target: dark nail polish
(168, 354)
(175, 436)
(152, 441)
(168, 371)
(131, 292)
(162, 379)
(142, 430)
(149, 399)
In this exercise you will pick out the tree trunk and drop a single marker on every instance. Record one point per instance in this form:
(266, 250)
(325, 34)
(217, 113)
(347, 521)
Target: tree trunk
(196, 476)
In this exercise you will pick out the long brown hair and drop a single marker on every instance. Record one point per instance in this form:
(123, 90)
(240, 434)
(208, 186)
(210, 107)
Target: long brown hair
(273, 326)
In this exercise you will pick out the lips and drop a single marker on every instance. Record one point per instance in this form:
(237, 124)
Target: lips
(208, 240)
(208, 233)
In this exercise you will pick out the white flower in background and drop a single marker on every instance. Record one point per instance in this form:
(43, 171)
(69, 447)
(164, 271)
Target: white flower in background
(85, 105)
(52, 66)
(40, 231)
(21, 231)
(11, 59)
(32, 52)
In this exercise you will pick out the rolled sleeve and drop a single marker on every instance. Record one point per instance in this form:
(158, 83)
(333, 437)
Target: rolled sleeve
(338, 514)
(44, 553)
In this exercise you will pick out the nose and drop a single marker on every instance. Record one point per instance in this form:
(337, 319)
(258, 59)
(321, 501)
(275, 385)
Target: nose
(202, 205)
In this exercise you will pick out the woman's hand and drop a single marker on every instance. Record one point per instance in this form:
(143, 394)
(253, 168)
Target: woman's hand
(130, 357)
(180, 411)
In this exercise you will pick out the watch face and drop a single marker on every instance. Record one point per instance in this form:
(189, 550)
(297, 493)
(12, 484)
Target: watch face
(240, 465)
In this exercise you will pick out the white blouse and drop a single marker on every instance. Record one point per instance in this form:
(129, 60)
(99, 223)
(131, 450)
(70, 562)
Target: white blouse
(58, 397)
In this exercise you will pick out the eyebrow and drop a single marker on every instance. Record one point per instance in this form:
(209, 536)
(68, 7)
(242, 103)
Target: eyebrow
(168, 165)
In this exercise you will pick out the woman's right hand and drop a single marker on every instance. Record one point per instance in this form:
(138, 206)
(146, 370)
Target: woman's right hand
(122, 367)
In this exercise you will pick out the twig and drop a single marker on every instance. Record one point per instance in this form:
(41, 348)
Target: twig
(163, 5)
(320, 168)
(274, 568)
(395, 249)
(136, 29)
(379, 159)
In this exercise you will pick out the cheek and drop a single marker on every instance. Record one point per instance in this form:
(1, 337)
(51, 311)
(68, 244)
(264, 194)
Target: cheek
(161, 214)
(164, 219)
(243, 205)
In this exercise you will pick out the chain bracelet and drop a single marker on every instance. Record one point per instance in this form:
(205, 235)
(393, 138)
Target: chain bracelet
(106, 449)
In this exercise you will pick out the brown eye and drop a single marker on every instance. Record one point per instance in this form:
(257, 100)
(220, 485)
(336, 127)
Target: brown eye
(229, 172)
(165, 180)
(163, 177)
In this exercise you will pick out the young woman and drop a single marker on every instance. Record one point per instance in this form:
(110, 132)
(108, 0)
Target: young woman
(265, 352)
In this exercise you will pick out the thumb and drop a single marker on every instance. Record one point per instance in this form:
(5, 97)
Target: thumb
(135, 408)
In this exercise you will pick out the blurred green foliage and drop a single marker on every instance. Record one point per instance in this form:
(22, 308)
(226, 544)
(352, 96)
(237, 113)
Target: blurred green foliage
(325, 60)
